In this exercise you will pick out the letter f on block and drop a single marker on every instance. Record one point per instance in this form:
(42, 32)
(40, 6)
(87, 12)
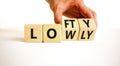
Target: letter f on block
(70, 29)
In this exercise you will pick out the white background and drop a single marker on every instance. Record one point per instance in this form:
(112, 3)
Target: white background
(103, 51)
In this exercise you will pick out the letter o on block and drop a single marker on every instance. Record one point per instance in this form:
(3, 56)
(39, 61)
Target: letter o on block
(51, 33)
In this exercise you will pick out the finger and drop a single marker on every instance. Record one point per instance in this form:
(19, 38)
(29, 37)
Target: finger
(48, 1)
(95, 17)
(72, 14)
(58, 15)
(58, 12)
(85, 11)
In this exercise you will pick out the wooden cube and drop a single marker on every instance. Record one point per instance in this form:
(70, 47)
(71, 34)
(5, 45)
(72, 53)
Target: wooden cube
(70, 29)
(33, 33)
(87, 29)
(51, 33)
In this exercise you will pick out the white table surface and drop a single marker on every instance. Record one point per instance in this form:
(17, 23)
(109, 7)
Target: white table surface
(103, 51)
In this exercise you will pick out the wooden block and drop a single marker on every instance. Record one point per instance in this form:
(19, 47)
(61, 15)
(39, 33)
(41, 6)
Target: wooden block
(87, 29)
(33, 33)
(51, 33)
(70, 29)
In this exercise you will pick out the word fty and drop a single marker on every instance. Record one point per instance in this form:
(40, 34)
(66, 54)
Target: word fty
(71, 29)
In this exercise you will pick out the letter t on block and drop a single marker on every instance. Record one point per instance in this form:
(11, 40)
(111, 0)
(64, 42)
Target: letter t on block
(33, 33)
(70, 29)
(87, 29)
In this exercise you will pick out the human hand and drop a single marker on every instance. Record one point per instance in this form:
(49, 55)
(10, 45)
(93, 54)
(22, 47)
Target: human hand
(71, 9)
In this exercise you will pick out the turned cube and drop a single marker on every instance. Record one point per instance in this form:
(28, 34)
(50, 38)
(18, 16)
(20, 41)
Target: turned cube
(70, 29)
(87, 29)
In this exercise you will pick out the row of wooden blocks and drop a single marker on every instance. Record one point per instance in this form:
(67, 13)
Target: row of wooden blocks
(71, 29)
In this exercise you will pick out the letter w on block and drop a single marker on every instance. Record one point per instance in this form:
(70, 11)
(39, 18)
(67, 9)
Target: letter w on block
(70, 29)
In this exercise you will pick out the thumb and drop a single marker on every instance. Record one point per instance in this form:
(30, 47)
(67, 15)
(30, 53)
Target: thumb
(58, 16)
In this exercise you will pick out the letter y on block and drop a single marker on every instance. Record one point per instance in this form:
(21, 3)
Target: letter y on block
(87, 29)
